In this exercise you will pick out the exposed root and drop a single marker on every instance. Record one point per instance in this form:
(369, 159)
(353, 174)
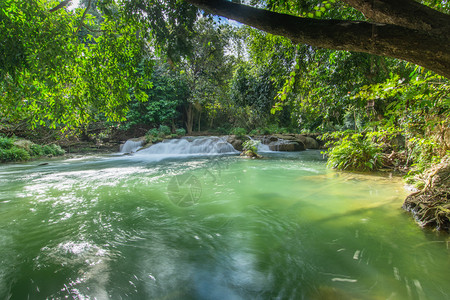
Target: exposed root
(431, 205)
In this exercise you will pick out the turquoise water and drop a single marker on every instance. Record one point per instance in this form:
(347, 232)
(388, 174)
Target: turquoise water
(217, 227)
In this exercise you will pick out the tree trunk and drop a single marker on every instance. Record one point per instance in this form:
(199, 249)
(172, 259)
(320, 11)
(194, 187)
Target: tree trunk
(189, 119)
(408, 30)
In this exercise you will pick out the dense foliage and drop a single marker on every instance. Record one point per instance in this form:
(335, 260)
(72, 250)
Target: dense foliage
(162, 69)
(54, 74)
(355, 152)
(12, 149)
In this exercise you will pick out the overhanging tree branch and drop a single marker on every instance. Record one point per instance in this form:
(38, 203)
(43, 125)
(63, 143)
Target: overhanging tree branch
(407, 13)
(61, 5)
(418, 46)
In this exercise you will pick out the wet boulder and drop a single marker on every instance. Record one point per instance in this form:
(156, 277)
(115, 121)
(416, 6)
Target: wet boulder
(311, 143)
(236, 142)
(283, 145)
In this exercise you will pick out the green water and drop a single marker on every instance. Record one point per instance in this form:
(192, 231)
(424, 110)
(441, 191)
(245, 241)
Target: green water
(285, 227)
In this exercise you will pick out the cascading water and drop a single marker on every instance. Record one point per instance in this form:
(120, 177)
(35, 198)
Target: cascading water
(261, 146)
(187, 146)
(131, 146)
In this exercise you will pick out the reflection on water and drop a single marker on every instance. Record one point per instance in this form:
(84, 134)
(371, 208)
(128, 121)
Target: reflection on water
(284, 227)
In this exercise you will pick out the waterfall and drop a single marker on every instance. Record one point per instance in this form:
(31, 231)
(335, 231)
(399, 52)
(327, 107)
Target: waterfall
(189, 145)
(131, 146)
(261, 147)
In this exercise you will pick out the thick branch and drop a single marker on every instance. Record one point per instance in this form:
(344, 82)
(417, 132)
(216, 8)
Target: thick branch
(419, 47)
(61, 5)
(407, 13)
(84, 15)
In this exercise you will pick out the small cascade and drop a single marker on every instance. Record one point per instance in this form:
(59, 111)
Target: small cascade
(261, 146)
(131, 146)
(201, 145)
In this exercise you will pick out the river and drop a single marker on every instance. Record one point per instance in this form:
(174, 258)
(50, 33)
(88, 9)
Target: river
(213, 226)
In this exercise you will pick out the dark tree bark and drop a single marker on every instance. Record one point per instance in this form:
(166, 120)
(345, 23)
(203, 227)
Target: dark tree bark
(401, 29)
(61, 5)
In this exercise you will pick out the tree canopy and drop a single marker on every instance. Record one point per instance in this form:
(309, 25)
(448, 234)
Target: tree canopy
(404, 29)
(66, 67)
(54, 73)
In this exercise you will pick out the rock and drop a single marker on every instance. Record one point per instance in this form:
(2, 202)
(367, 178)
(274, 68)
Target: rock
(235, 142)
(250, 154)
(283, 145)
(268, 139)
(311, 143)
(300, 138)
(286, 137)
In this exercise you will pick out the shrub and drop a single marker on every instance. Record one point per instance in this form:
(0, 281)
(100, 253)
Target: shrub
(283, 130)
(251, 145)
(272, 129)
(36, 150)
(153, 132)
(6, 143)
(239, 131)
(223, 130)
(250, 148)
(424, 153)
(254, 132)
(164, 130)
(58, 150)
(13, 154)
(180, 132)
(354, 152)
(52, 150)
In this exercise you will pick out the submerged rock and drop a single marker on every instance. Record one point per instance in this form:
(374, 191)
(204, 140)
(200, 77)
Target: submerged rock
(431, 205)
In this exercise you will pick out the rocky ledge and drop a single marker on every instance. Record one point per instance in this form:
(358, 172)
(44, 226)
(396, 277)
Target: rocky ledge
(280, 142)
(431, 205)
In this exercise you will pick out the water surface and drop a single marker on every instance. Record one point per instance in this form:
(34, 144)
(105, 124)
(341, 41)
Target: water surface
(211, 227)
